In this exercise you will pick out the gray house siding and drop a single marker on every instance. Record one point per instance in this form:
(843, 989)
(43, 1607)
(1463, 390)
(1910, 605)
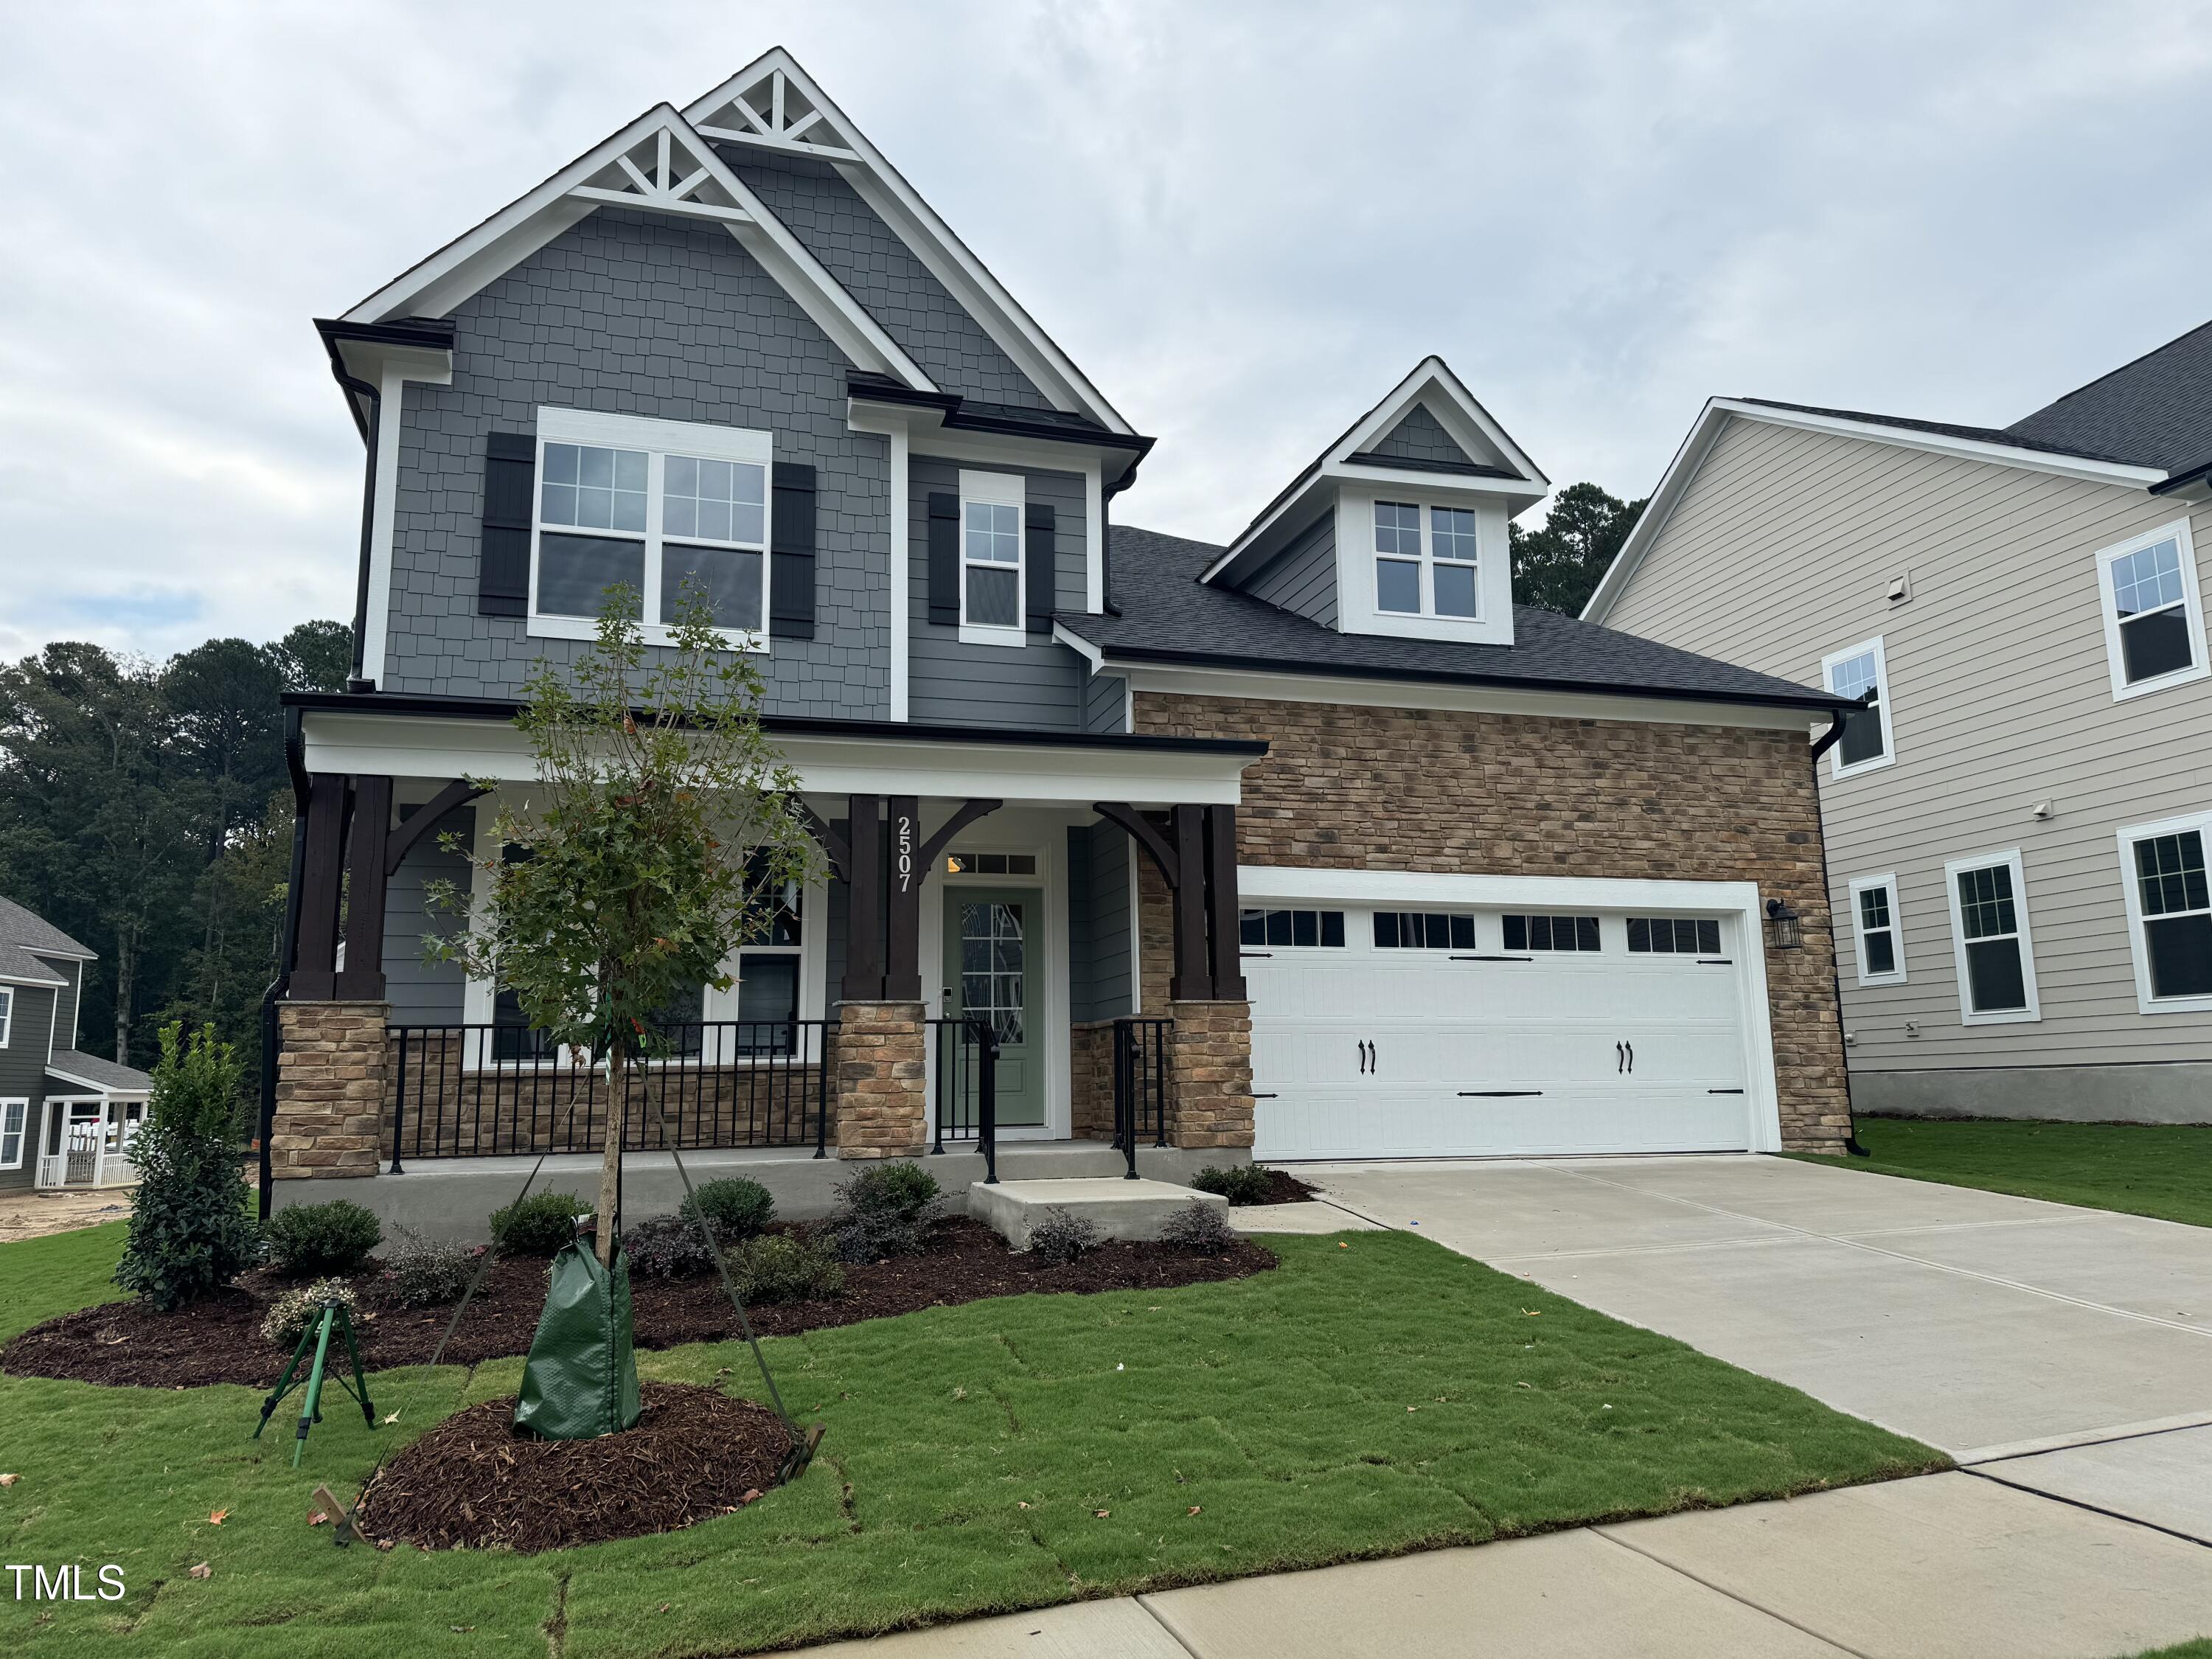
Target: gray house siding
(66, 1002)
(1105, 703)
(1041, 684)
(883, 273)
(634, 315)
(425, 993)
(23, 1071)
(1302, 576)
(1420, 437)
(1780, 552)
(1099, 922)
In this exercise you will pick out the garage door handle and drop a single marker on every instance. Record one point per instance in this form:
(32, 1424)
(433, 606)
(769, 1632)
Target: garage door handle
(1632, 1058)
(1714, 962)
(1274, 1097)
(1249, 955)
(1620, 1058)
(1493, 958)
(1495, 1094)
(1724, 1091)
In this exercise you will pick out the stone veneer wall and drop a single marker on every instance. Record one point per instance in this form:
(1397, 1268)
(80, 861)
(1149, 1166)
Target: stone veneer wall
(330, 1089)
(1357, 788)
(883, 1080)
(1090, 1081)
(1210, 1102)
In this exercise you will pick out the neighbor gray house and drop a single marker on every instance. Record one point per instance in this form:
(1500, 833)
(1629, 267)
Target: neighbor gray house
(67, 1119)
(2017, 820)
(1313, 844)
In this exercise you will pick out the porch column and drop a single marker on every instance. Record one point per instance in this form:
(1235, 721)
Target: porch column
(1180, 858)
(1210, 1096)
(362, 979)
(864, 895)
(331, 1080)
(314, 973)
(882, 1080)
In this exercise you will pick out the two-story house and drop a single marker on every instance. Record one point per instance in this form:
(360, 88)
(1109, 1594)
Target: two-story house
(1313, 845)
(2017, 821)
(66, 1118)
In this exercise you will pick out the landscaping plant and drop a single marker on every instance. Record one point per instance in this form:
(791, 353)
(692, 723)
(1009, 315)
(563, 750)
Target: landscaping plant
(291, 1314)
(191, 1231)
(776, 1268)
(1198, 1227)
(1062, 1235)
(735, 1207)
(538, 1225)
(313, 1240)
(423, 1272)
(1243, 1184)
(668, 1247)
(884, 1210)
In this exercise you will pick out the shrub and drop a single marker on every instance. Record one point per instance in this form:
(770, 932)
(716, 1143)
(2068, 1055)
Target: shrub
(423, 1272)
(668, 1247)
(313, 1240)
(734, 1206)
(885, 1210)
(539, 1226)
(191, 1228)
(1199, 1228)
(293, 1312)
(1061, 1237)
(776, 1268)
(1244, 1183)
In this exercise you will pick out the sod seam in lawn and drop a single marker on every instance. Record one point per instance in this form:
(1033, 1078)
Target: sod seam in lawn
(1371, 1395)
(2157, 1169)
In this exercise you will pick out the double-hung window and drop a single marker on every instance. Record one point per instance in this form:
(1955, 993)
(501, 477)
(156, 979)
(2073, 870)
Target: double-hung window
(1875, 922)
(7, 1013)
(2153, 617)
(1990, 939)
(991, 575)
(656, 506)
(1862, 671)
(1435, 575)
(2170, 913)
(15, 1126)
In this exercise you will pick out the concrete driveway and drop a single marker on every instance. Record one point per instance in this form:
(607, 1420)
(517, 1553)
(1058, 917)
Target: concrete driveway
(2061, 1351)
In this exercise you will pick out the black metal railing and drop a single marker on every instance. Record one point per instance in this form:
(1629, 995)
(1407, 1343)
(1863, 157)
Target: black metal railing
(965, 1088)
(482, 1090)
(1141, 1085)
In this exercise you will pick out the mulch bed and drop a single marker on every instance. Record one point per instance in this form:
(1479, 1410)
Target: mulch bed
(218, 1340)
(473, 1482)
(1283, 1189)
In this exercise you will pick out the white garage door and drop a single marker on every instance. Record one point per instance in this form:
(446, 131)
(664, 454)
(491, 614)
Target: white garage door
(1421, 1033)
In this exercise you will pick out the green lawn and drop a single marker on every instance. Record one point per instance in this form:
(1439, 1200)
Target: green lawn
(1354, 1403)
(2143, 1169)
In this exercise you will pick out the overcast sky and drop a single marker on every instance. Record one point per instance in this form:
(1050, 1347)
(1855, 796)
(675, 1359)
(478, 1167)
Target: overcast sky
(1246, 223)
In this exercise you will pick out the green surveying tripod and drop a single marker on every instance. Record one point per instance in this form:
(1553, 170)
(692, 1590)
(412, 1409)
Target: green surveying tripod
(310, 1407)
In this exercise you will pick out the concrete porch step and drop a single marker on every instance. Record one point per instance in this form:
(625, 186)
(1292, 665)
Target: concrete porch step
(1120, 1207)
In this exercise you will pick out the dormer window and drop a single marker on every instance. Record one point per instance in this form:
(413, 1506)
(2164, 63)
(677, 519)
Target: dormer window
(1437, 578)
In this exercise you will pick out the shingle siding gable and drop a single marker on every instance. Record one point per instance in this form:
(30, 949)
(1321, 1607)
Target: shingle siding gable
(1420, 437)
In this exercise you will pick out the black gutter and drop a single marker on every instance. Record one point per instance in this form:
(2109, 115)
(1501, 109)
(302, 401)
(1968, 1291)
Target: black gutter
(271, 1034)
(795, 726)
(877, 389)
(2182, 479)
(1828, 740)
(1811, 700)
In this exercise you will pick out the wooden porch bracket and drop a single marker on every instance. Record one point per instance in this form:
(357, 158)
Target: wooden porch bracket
(832, 844)
(460, 793)
(1182, 866)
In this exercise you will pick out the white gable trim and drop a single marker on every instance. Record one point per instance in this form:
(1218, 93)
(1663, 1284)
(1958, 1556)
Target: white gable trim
(823, 131)
(687, 164)
(1719, 411)
(1431, 385)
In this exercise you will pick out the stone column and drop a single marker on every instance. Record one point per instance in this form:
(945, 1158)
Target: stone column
(883, 1080)
(331, 1108)
(1210, 1103)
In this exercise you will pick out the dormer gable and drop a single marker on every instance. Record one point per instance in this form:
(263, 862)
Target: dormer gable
(1399, 528)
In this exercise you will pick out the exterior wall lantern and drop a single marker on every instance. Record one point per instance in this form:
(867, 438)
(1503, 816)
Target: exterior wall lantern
(1782, 927)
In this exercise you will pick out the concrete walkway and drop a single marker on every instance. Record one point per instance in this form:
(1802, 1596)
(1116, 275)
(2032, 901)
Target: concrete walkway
(2063, 1356)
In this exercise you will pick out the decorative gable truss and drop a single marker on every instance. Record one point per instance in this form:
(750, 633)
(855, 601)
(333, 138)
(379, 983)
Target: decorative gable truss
(769, 108)
(660, 163)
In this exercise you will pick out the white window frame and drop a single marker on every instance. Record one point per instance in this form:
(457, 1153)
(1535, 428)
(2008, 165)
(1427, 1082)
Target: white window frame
(1425, 562)
(7, 1015)
(2192, 606)
(1829, 663)
(658, 440)
(1887, 883)
(22, 1131)
(2138, 940)
(1356, 558)
(997, 490)
(2009, 857)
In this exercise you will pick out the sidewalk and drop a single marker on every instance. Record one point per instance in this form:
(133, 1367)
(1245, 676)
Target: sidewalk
(1947, 1567)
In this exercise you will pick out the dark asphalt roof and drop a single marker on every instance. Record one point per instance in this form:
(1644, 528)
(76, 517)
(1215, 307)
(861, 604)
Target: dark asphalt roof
(69, 1063)
(34, 932)
(1168, 616)
(2154, 411)
(2011, 437)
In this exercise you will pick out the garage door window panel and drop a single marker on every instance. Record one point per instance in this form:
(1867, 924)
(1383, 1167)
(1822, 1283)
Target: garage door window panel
(1296, 929)
(1425, 930)
(1681, 936)
(1988, 919)
(1551, 932)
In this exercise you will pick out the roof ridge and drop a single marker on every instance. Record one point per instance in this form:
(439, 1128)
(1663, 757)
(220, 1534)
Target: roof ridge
(2135, 362)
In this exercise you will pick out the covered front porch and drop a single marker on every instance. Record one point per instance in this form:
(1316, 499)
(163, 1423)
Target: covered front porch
(1019, 939)
(84, 1140)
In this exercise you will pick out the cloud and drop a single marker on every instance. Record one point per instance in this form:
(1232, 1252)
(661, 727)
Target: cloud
(1245, 221)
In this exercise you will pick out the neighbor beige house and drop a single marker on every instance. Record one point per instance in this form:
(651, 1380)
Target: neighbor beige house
(2017, 825)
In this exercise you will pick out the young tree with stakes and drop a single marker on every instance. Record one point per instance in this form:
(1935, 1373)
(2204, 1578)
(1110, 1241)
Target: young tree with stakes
(658, 839)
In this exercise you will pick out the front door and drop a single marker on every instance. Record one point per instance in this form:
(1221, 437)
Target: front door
(991, 937)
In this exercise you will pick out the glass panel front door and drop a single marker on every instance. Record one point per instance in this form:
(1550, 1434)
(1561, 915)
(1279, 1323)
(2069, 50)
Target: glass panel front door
(991, 939)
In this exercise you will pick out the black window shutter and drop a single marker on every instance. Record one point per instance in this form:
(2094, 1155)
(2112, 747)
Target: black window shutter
(944, 559)
(1042, 553)
(791, 554)
(503, 559)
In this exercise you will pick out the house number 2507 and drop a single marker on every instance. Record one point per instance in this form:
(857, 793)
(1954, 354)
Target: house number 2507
(905, 842)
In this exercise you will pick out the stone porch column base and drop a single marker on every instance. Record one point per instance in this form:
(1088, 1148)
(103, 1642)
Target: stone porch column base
(882, 1080)
(1210, 1096)
(330, 1089)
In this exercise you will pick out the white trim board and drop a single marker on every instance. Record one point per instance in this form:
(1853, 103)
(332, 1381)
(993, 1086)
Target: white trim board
(1705, 431)
(1738, 900)
(2127, 836)
(1888, 882)
(1837, 769)
(2009, 857)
